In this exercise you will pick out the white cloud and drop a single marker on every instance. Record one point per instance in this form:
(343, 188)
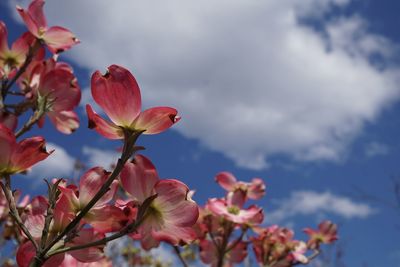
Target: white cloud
(315, 203)
(99, 157)
(376, 149)
(59, 164)
(249, 80)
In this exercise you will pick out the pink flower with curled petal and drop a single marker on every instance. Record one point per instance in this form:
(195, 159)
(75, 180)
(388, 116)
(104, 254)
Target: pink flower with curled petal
(171, 215)
(253, 190)
(118, 94)
(56, 38)
(209, 253)
(326, 234)
(18, 157)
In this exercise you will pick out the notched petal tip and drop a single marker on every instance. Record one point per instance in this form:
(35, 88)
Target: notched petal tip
(174, 118)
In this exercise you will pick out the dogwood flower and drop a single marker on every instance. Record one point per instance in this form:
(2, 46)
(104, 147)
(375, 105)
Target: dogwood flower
(326, 234)
(12, 59)
(171, 215)
(56, 38)
(18, 157)
(253, 190)
(118, 94)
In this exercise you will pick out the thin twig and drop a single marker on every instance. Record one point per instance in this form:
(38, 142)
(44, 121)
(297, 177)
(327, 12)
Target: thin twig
(36, 116)
(127, 230)
(13, 209)
(178, 253)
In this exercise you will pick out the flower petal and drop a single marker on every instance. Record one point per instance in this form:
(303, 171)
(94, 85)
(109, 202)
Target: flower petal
(61, 90)
(91, 182)
(139, 177)
(118, 94)
(107, 129)
(3, 38)
(7, 145)
(28, 152)
(90, 254)
(59, 39)
(226, 180)
(156, 120)
(106, 219)
(64, 121)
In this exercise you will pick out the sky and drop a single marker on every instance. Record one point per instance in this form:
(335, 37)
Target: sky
(302, 93)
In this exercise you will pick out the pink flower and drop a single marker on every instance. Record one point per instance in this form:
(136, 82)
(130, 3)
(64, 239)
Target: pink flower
(18, 157)
(253, 190)
(56, 38)
(171, 215)
(209, 253)
(326, 234)
(54, 85)
(118, 94)
(234, 213)
(12, 59)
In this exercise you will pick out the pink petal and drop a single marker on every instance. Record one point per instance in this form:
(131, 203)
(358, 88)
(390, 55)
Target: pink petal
(29, 152)
(9, 120)
(35, 224)
(173, 203)
(91, 254)
(65, 121)
(35, 10)
(34, 18)
(3, 38)
(91, 182)
(59, 39)
(118, 94)
(156, 120)
(256, 189)
(175, 235)
(25, 254)
(139, 177)
(38, 205)
(208, 252)
(226, 180)
(106, 219)
(7, 145)
(65, 210)
(107, 129)
(238, 253)
(61, 90)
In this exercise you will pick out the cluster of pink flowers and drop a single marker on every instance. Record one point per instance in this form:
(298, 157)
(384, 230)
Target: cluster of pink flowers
(72, 224)
(224, 223)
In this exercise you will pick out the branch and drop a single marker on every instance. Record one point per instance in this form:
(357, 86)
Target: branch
(127, 230)
(13, 209)
(32, 121)
(178, 253)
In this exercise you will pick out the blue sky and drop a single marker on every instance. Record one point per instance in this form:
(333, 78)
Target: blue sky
(304, 94)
